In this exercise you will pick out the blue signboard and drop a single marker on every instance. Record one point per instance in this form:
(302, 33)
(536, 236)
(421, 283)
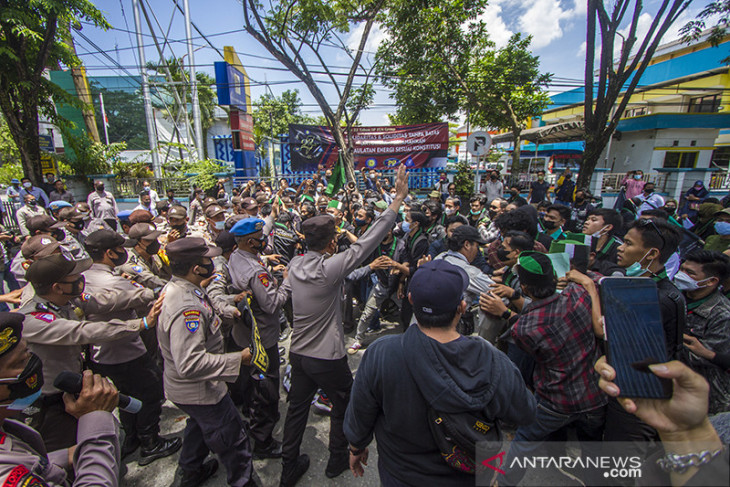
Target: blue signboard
(231, 86)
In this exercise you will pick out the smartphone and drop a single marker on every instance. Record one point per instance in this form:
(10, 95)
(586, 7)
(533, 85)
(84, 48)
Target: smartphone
(634, 335)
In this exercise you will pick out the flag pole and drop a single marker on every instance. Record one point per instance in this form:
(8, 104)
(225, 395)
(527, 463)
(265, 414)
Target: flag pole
(103, 118)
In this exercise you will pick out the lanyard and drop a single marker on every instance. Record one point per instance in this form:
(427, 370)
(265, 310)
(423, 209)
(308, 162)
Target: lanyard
(696, 304)
(606, 247)
(660, 276)
(415, 237)
(509, 278)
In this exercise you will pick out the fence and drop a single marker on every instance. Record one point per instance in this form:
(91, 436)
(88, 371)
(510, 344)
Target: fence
(720, 180)
(612, 181)
(131, 187)
(8, 217)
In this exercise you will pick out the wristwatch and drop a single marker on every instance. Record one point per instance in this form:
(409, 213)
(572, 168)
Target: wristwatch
(516, 295)
(506, 315)
(355, 451)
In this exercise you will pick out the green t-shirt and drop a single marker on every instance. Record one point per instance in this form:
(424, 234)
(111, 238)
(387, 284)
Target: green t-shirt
(717, 243)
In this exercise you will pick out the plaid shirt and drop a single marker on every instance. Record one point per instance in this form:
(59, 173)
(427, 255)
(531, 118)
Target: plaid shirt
(558, 333)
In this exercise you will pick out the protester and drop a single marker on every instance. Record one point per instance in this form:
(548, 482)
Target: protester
(38, 193)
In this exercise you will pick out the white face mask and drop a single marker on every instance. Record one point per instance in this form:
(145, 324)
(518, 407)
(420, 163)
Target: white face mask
(220, 225)
(599, 232)
(449, 211)
(686, 283)
(27, 185)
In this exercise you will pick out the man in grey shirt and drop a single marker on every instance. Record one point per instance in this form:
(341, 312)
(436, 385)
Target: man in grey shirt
(317, 352)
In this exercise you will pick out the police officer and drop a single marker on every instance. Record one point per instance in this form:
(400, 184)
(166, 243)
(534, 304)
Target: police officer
(317, 351)
(248, 273)
(196, 370)
(56, 334)
(126, 360)
(143, 264)
(71, 230)
(177, 219)
(23, 457)
(215, 216)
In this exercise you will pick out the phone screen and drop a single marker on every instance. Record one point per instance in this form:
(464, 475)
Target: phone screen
(634, 335)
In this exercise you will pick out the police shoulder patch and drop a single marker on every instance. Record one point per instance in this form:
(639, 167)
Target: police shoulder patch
(46, 316)
(20, 476)
(85, 297)
(137, 268)
(192, 320)
(264, 278)
(198, 293)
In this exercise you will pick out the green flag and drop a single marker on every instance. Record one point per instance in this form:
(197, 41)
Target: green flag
(338, 179)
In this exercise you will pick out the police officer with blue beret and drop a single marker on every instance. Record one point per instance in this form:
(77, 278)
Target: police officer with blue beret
(249, 273)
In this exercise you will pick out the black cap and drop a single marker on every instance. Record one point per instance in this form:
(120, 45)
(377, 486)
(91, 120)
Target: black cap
(467, 233)
(52, 268)
(11, 331)
(319, 228)
(225, 240)
(144, 231)
(190, 248)
(107, 239)
(437, 287)
(43, 223)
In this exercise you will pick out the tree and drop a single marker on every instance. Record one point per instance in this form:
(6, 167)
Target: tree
(718, 11)
(32, 37)
(500, 88)
(125, 112)
(296, 32)
(616, 76)
(272, 115)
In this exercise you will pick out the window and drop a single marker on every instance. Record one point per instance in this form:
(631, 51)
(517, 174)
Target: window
(721, 156)
(704, 104)
(635, 112)
(680, 159)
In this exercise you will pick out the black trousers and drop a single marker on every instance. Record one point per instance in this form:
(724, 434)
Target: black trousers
(259, 395)
(217, 428)
(142, 379)
(335, 379)
(56, 426)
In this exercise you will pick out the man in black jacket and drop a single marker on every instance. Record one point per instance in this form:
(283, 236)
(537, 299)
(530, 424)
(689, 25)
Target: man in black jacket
(440, 368)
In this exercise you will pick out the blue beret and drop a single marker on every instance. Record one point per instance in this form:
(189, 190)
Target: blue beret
(247, 226)
(55, 205)
(124, 215)
(290, 189)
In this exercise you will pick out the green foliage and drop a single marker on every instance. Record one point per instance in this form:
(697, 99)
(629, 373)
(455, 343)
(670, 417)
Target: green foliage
(91, 157)
(33, 36)
(10, 170)
(132, 169)
(202, 173)
(464, 179)
(719, 12)
(125, 112)
(9, 153)
(272, 115)
(439, 61)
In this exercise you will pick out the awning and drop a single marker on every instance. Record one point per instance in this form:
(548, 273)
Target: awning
(559, 132)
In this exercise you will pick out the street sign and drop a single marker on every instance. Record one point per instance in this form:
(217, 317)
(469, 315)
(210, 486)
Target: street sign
(478, 143)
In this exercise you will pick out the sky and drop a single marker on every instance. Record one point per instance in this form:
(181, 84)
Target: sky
(557, 28)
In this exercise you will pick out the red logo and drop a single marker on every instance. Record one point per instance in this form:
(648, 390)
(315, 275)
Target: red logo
(487, 463)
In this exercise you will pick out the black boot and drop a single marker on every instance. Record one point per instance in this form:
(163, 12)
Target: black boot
(272, 450)
(130, 445)
(195, 478)
(337, 464)
(291, 474)
(154, 447)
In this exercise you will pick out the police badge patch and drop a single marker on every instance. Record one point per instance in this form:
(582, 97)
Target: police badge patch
(192, 320)
(47, 316)
(264, 278)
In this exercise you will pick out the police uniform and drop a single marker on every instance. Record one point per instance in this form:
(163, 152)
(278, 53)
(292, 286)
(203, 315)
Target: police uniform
(24, 460)
(248, 273)
(126, 360)
(151, 274)
(317, 352)
(197, 369)
(57, 335)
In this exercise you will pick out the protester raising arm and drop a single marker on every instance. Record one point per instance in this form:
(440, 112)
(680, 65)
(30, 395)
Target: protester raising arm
(590, 286)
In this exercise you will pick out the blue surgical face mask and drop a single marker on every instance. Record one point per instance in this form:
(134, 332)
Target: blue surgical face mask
(722, 228)
(686, 283)
(635, 269)
(406, 227)
(23, 403)
(220, 225)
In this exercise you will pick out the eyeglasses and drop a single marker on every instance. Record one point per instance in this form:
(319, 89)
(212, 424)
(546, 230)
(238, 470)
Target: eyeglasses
(646, 222)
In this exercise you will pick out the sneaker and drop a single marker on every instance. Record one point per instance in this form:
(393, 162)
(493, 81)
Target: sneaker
(284, 334)
(164, 447)
(290, 475)
(323, 404)
(354, 348)
(286, 380)
(372, 331)
(337, 464)
(197, 478)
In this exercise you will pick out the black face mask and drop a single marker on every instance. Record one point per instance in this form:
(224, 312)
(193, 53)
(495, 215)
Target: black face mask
(33, 203)
(58, 235)
(579, 200)
(77, 287)
(180, 228)
(492, 214)
(29, 381)
(549, 225)
(153, 248)
(670, 211)
(648, 191)
(209, 269)
(100, 188)
(260, 244)
(79, 225)
(503, 255)
(120, 259)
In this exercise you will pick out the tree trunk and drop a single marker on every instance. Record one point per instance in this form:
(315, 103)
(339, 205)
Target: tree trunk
(344, 142)
(591, 156)
(22, 119)
(516, 163)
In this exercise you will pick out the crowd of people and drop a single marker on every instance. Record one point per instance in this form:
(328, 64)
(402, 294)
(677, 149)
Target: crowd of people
(456, 305)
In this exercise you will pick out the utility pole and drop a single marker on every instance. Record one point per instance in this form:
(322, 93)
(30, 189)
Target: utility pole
(193, 84)
(151, 128)
(103, 117)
